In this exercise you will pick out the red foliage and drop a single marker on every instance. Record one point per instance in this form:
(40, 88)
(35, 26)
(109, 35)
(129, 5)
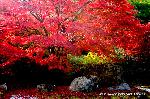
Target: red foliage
(111, 23)
(30, 27)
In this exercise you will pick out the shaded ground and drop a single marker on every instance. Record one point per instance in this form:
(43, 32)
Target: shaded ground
(62, 92)
(26, 76)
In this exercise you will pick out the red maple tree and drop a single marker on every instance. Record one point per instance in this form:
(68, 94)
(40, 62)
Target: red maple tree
(36, 28)
(112, 23)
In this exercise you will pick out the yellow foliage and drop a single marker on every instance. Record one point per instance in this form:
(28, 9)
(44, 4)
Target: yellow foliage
(93, 58)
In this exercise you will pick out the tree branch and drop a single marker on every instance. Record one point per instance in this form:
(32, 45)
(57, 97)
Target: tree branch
(37, 16)
(79, 11)
(45, 30)
(57, 7)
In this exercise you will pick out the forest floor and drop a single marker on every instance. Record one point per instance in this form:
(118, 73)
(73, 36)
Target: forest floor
(62, 92)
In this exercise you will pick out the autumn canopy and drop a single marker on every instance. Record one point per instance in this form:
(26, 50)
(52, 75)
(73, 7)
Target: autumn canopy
(37, 28)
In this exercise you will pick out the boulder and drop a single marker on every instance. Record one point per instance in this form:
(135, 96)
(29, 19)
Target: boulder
(3, 87)
(83, 84)
(122, 86)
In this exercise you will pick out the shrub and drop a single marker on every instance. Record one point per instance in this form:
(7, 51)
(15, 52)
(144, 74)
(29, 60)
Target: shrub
(143, 8)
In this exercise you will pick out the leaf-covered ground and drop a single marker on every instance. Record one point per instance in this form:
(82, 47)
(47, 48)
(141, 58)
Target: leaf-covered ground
(62, 92)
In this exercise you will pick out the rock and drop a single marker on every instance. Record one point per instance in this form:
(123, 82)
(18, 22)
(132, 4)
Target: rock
(143, 88)
(18, 96)
(110, 88)
(95, 82)
(78, 83)
(83, 84)
(3, 87)
(122, 86)
(45, 87)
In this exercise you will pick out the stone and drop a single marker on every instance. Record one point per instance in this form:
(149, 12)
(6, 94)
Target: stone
(18, 96)
(45, 87)
(110, 88)
(143, 88)
(3, 87)
(122, 86)
(78, 83)
(83, 84)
